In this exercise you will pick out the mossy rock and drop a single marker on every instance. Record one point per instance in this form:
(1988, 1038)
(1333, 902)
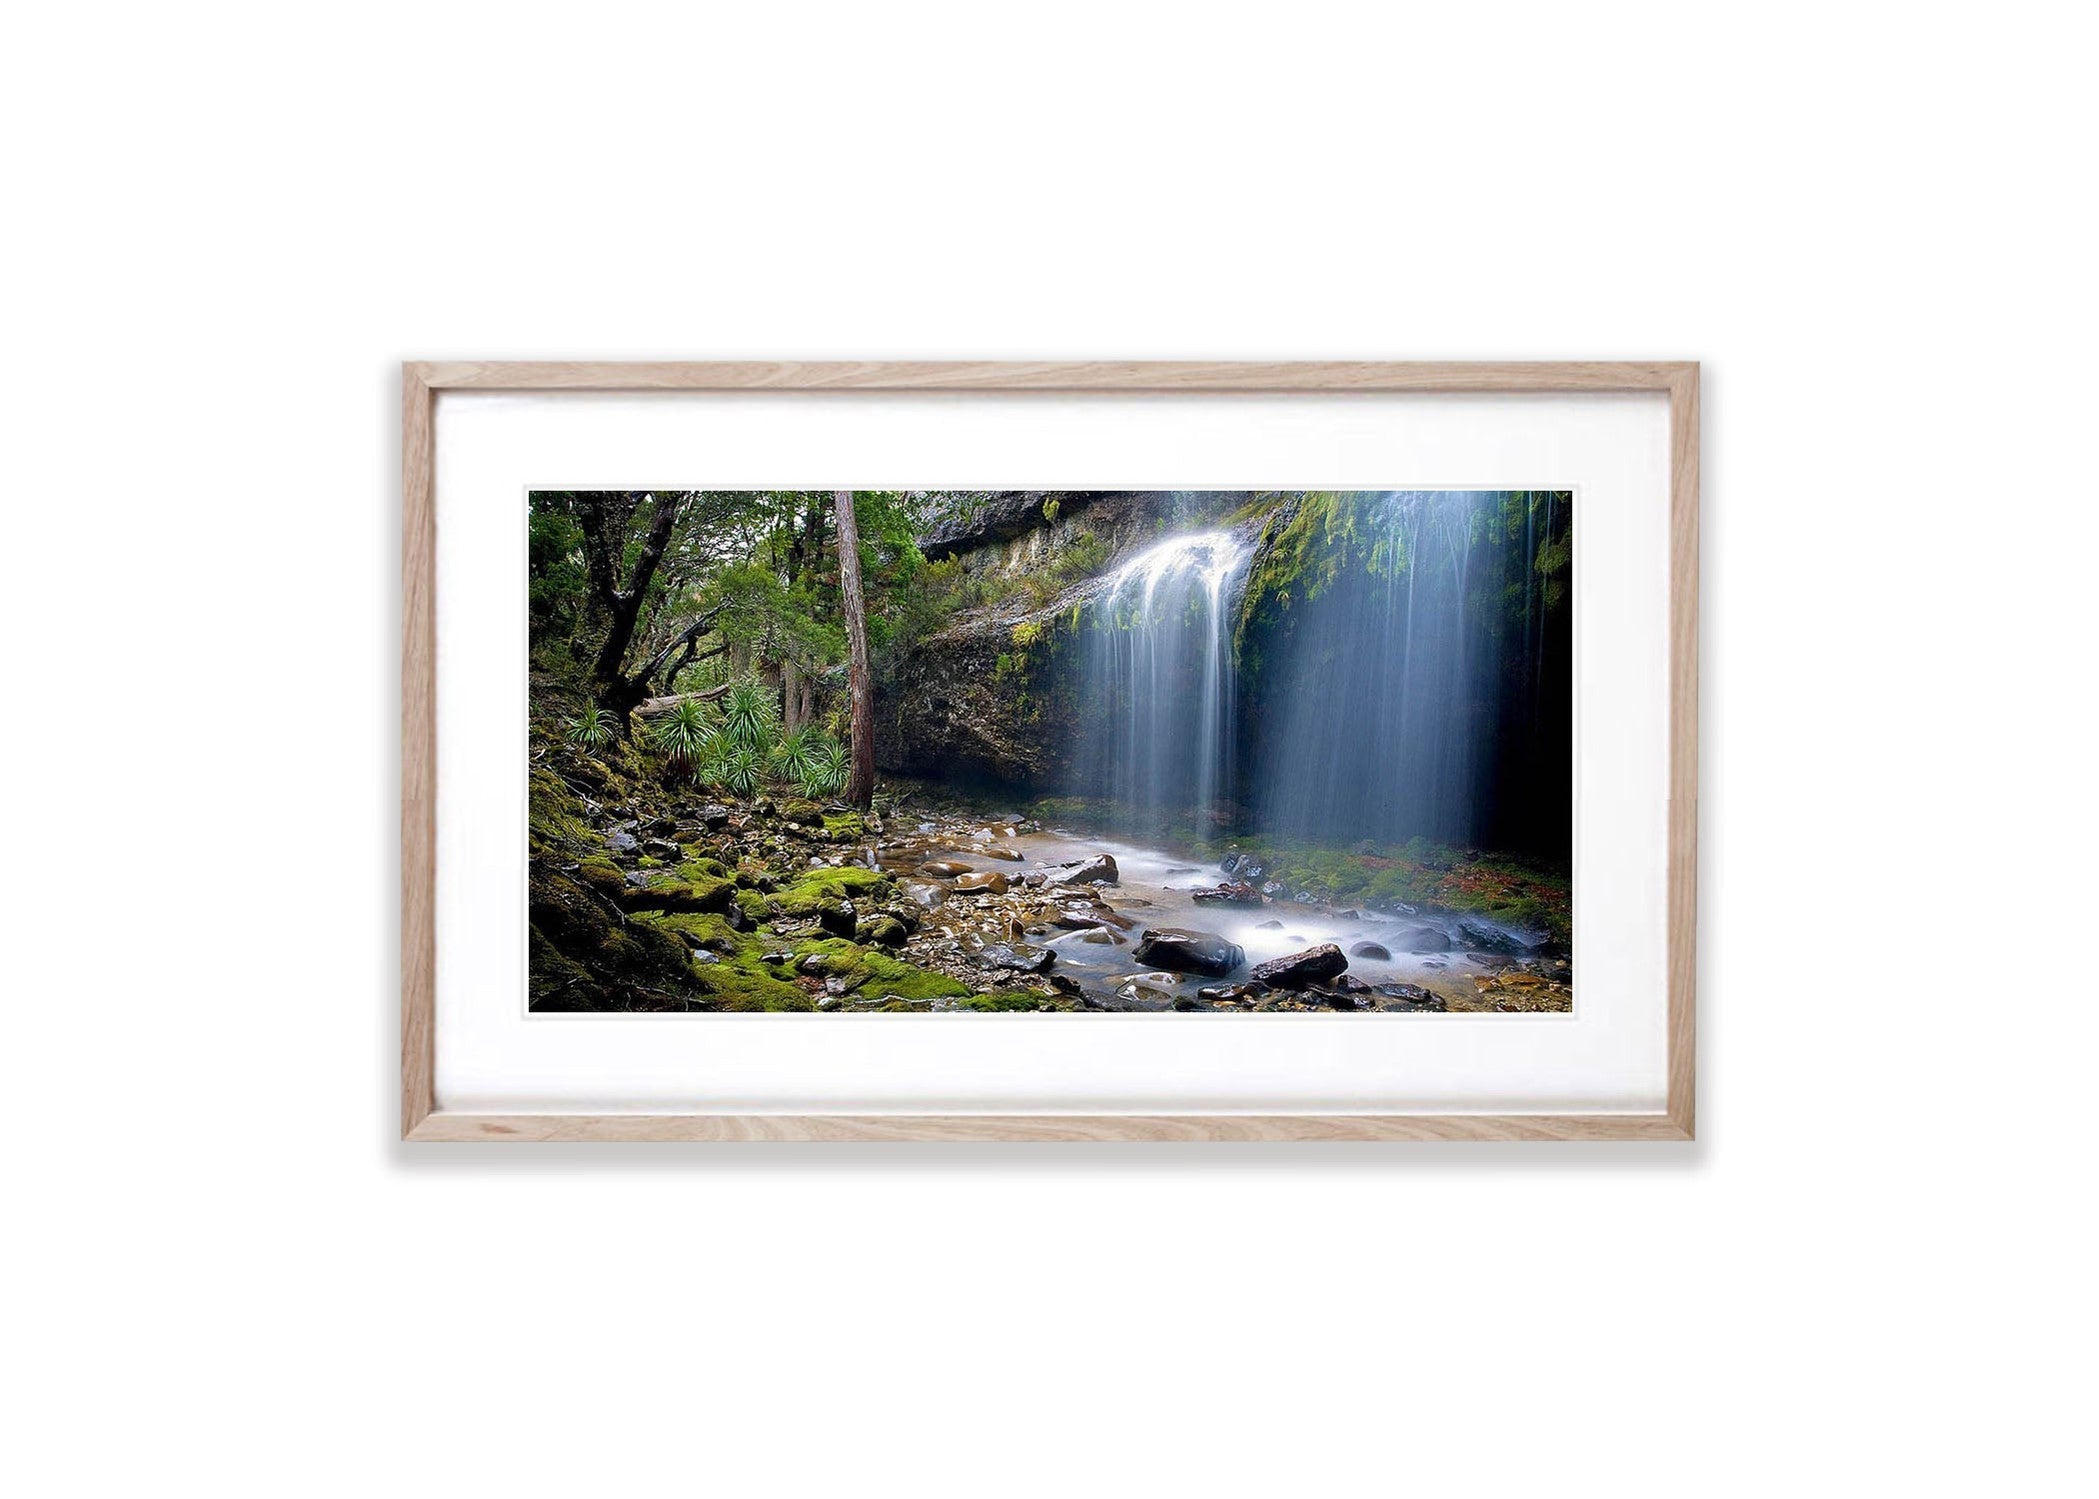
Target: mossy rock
(882, 929)
(754, 905)
(603, 875)
(1016, 1001)
(617, 955)
(802, 812)
(844, 827)
(702, 894)
(809, 891)
(877, 973)
(705, 869)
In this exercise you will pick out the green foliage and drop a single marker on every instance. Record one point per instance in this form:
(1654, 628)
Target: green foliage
(591, 729)
(736, 768)
(750, 719)
(812, 760)
(683, 734)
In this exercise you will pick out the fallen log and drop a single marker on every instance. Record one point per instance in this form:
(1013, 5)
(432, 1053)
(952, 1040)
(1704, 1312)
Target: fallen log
(656, 707)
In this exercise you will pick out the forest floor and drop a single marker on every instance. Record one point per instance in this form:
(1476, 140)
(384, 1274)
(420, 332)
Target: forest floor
(652, 894)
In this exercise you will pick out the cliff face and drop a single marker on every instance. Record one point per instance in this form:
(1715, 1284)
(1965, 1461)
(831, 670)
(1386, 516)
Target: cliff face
(992, 697)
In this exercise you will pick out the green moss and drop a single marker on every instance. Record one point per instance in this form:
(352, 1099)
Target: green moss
(739, 980)
(843, 827)
(662, 894)
(554, 821)
(875, 973)
(602, 874)
(809, 891)
(704, 869)
(1011, 1001)
(753, 904)
(1517, 894)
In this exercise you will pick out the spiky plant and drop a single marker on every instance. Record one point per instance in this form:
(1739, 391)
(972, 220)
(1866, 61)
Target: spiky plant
(682, 734)
(592, 729)
(825, 775)
(737, 769)
(750, 719)
(792, 755)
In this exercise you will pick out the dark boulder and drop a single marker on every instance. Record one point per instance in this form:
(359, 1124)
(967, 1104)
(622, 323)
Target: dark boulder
(1017, 957)
(838, 917)
(1231, 994)
(1313, 965)
(1408, 997)
(1423, 939)
(1373, 950)
(1190, 952)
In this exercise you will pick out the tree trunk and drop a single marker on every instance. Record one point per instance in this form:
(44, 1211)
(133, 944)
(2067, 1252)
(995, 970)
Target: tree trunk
(624, 604)
(860, 785)
(790, 698)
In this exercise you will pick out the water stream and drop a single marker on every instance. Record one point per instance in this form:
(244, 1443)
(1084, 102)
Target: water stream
(1158, 725)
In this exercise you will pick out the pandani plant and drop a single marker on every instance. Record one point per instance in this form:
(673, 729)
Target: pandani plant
(683, 735)
(592, 729)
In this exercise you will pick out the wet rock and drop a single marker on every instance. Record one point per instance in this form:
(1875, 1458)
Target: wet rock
(1138, 995)
(1190, 952)
(1351, 914)
(1231, 994)
(1234, 894)
(1273, 889)
(622, 842)
(662, 848)
(1488, 938)
(944, 868)
(989, 882)
(1017, 957)
(1100, 936)
(1314, 964)
(1373, 950)
(992, 851)
(924, 892)
(1034, 881)
(1401, 997)
(776, 957)
(1423, 939)
(1269, 926)
(811, 966)
(1098, 870)
(804, 813)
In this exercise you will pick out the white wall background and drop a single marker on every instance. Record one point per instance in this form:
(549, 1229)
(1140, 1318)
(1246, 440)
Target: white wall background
(227, 225)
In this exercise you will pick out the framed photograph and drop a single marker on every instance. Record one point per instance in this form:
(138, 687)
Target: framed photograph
(1049, 751)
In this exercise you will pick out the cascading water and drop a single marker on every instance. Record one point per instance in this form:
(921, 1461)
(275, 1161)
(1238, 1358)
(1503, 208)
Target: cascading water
(1157, 730)
(1410, 695)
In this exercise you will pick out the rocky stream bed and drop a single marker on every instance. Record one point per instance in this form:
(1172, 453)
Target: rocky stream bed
(660, 903)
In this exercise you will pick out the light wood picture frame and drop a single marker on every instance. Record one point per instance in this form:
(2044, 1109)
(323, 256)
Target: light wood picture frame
(422, 382)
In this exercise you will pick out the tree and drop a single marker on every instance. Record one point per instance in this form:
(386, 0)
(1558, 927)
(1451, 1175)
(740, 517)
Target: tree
(860, 784)
(620, 593)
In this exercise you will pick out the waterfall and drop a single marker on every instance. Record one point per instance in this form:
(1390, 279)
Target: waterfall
(1157, 729)
(1410, 696)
